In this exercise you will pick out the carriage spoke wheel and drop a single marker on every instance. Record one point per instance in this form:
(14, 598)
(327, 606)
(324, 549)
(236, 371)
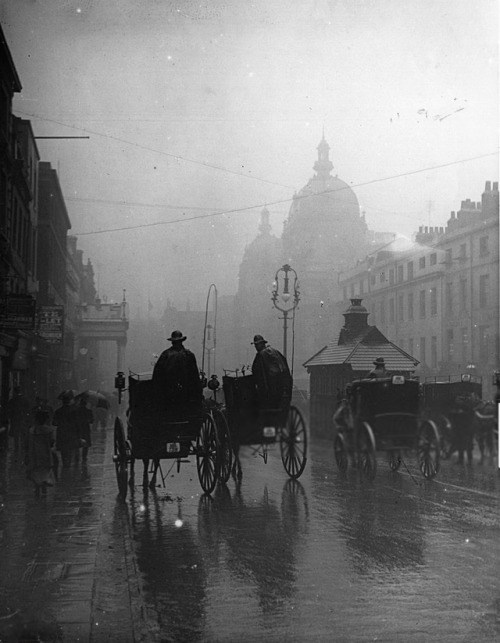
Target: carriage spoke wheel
(226, 448)
(293, 443)
(340, 452)
(208, 454)
(120, 458)
(428, 449)
(365, 446)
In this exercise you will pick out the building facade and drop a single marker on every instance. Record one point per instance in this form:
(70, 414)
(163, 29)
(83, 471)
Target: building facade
(438, 296)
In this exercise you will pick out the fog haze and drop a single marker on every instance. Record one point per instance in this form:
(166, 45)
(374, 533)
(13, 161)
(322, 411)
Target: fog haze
(194, 109)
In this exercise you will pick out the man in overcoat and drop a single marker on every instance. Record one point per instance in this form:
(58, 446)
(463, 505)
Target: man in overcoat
(273, 378)
(176, 378)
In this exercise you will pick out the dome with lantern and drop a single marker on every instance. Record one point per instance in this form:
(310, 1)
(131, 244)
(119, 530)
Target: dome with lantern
(324, 228)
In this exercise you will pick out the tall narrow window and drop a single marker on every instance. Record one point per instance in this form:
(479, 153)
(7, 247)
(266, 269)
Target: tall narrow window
(391, 310)
(422, 304)
(449, 298)
(434, 353)
(484, 332)
(410, 270)
(410, 306)
(382, 312)
(434, 305)
(465, 343)
(450, 344)
(422, 350)
(484, 284)
(400, 308)
(463, 294)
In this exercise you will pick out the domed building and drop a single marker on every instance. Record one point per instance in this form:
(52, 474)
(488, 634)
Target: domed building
(324, 229)
(324, 233)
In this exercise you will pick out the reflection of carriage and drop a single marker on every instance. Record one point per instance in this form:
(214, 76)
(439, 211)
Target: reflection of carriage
(174, 434)
(440, 395)
(249, 424)
(383, 415)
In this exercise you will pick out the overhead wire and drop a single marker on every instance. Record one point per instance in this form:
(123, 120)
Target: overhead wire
(287, 200)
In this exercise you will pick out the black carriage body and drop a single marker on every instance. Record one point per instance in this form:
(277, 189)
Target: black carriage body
(440, 393)
(391, 408)
(151, 429)
(252, 423)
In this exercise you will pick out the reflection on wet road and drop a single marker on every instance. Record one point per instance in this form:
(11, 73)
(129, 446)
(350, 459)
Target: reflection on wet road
(329, 557)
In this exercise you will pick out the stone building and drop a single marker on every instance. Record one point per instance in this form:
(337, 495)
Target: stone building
(439, 296)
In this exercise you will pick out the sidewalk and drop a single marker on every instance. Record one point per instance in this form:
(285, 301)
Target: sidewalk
(67, 572)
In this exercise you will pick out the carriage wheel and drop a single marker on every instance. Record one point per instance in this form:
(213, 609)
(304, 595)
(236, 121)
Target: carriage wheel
(365, 446)
(208, 454)
(340, 451)
(394, 460)
(428, 449)
(120, 458)
(226, 447)
(293, 443)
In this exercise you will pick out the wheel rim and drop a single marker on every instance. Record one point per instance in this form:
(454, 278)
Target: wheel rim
(207, 455)
(226, 448)
(120, 458)
(340, 453)
(366, 451)
(293, 444)
(428, 450)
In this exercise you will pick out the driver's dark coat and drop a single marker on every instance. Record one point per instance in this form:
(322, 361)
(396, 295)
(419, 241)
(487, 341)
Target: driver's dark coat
(273, 378)
(176, 378)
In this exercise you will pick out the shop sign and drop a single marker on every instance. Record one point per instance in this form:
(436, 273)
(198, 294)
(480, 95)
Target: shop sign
(17, 312)
(51, 323)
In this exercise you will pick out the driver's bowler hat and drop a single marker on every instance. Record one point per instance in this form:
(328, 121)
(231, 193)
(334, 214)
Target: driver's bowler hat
(176, 336)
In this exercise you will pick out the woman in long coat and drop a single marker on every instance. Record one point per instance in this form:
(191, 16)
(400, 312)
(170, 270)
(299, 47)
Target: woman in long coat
(39, 466)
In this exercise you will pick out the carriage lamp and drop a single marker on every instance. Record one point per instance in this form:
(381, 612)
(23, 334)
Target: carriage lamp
(290, 296)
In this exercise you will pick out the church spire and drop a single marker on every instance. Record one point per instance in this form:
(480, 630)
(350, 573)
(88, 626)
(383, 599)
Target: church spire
(323, 165)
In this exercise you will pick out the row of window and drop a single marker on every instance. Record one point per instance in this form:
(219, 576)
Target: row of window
(396, 275)
(427, 302)
(457, 298)
(456, 348)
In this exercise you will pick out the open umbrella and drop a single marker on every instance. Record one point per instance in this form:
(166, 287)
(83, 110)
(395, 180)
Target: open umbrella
(67, 394)
(95, 398)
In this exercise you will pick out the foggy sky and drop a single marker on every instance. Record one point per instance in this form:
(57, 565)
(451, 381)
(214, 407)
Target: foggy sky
(194, 108)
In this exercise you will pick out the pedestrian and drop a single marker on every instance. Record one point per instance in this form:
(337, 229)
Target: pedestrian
(39, 467)
(84, 419)
(176, 379)
(67, 431)
(18, 412)
(273, 379)
(379, 371)
(462, 419)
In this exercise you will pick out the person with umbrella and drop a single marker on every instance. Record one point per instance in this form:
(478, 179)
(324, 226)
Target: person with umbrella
(84, 419)
(67, 441)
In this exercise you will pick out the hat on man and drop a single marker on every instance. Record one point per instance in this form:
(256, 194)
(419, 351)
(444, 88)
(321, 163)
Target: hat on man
(258, 339)
(379, 361)
(176, 336)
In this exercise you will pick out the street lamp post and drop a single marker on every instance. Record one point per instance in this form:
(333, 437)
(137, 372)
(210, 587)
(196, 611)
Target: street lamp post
(289, 299)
